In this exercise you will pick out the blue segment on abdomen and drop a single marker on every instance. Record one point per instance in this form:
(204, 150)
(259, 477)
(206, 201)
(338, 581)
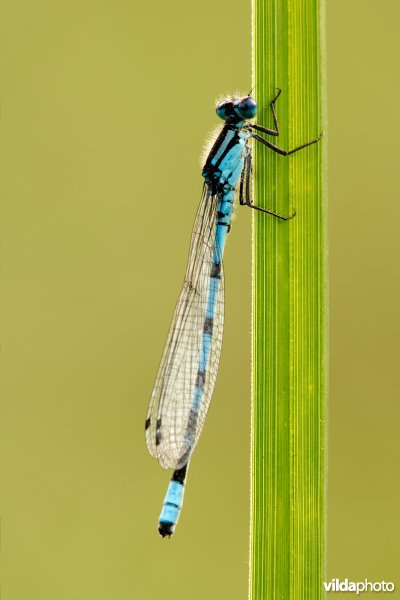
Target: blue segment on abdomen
(172, 503)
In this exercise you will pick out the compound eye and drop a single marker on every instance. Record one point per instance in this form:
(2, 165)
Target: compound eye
(224, 109)
(247, 108)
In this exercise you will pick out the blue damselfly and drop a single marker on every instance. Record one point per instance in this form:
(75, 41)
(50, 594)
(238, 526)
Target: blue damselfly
(189, 364)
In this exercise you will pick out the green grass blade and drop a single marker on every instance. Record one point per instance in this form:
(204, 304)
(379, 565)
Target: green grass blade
(287, 546)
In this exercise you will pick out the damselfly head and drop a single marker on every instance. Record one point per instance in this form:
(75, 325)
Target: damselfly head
(242, 108)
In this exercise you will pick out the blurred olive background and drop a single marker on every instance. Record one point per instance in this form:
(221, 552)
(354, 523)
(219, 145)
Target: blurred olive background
(104, 111)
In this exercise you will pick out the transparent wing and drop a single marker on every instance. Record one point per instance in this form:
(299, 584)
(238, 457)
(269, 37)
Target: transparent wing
(177, 410)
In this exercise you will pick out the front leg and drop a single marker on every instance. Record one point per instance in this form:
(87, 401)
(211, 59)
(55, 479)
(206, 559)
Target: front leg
(281, 151)
(272, 107)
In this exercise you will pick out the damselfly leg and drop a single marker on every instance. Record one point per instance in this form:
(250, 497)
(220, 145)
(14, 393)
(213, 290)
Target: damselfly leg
(275, 118)
(245, 198)
(281, 151)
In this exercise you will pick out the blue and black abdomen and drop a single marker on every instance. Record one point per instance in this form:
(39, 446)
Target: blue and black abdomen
(172, 503)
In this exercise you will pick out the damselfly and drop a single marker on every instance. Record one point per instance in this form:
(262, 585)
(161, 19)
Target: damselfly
(189, 364)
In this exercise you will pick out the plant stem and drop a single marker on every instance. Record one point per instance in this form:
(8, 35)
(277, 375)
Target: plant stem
(287, 545)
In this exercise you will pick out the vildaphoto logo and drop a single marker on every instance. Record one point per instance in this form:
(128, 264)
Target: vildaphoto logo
(335, 585)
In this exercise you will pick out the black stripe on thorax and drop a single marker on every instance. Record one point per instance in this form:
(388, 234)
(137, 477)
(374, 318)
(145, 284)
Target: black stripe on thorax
(217, 145)
(229, 147)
